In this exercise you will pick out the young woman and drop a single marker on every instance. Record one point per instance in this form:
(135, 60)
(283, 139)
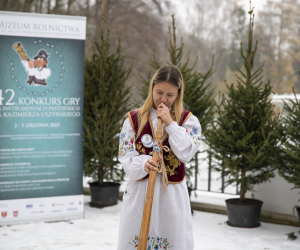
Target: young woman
(171, 221)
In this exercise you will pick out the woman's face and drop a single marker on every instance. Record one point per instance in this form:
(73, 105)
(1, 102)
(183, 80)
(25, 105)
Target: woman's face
(164, 92)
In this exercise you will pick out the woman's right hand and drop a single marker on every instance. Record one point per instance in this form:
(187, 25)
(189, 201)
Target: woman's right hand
(150, 164)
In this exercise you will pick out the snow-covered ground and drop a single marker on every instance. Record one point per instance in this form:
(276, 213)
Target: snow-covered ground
(99, 230)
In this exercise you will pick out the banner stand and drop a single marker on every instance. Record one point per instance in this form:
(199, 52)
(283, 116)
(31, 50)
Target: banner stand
(41, 117)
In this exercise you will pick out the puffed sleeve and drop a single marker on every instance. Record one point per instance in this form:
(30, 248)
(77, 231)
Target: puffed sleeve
(132, 162)
(184, 140)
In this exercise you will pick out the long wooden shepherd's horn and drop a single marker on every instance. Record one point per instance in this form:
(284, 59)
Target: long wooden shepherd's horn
(143, 239)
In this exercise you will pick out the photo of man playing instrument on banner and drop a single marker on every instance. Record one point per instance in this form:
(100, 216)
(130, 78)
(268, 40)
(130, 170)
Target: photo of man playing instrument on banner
(37, 70)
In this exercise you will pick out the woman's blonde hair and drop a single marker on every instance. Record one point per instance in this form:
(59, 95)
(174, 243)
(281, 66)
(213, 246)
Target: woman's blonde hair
(170, 74)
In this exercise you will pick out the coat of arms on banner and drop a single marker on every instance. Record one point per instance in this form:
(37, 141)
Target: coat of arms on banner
(36, 69)
(4, 214)
(16, 213)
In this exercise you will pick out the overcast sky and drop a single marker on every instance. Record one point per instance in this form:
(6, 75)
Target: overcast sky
(184, 12)
(258, 4)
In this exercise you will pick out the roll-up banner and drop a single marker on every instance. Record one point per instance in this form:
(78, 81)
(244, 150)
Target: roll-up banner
(41, 117)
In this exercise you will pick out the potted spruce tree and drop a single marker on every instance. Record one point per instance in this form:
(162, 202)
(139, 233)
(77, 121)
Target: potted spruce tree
(289, 156)
(244, 138)
(198, 94)
(106, 100)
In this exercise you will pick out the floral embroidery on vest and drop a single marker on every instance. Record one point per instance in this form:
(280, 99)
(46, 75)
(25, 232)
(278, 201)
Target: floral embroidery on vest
(174, 163)
(175, 168)
(155, 243)
(140, 148)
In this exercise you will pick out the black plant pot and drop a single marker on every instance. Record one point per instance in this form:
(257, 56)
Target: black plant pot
(298, 211)
(105, 195)
(244, 214)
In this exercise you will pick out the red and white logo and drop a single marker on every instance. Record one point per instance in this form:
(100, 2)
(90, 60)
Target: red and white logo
(16, 213)
(4, 214)
(79, 202)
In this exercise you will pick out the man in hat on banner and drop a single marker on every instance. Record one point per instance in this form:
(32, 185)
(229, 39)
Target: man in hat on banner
(37, 70)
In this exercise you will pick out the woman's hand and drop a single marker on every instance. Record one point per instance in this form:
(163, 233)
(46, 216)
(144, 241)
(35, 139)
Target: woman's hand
(150, 164)
(164, 113)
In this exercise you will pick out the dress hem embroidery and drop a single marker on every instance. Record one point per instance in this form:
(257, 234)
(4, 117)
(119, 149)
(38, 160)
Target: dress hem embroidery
(155, 243)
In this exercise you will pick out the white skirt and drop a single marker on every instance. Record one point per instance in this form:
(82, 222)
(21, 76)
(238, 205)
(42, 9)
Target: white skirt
(171, 220)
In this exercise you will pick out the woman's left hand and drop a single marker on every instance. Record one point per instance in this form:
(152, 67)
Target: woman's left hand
(164, 113)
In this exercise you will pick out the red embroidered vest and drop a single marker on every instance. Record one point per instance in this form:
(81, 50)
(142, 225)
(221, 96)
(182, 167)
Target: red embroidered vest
(175, 168)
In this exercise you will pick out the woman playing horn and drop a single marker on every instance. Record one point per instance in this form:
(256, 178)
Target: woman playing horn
(171, 221)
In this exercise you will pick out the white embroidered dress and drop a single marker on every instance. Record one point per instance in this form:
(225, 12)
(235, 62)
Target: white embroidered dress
(171, 221)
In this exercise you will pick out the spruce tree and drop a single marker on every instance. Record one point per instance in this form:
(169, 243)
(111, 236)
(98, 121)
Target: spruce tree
(244, 137)
(289, 156)
(198, 94)
(106, 100)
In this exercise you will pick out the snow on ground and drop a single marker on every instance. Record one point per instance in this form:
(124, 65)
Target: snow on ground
(99, 231)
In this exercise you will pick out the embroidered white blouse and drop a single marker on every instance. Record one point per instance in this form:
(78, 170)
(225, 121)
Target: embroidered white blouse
(171, 221)
(184, 141)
